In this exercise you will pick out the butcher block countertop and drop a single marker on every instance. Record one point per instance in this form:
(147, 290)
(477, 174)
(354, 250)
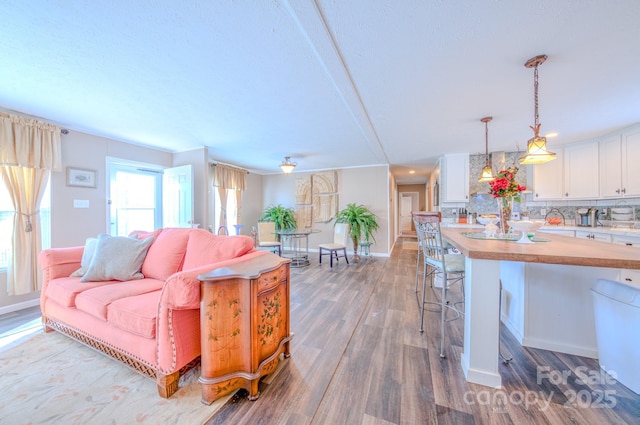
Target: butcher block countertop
(559, 250)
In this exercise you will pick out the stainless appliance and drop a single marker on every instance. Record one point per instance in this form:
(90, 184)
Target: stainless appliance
(587, 217)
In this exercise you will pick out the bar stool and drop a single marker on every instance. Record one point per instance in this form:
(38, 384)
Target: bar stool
(437, 261)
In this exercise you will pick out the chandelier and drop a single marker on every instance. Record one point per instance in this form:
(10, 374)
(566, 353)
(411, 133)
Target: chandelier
(287, 166)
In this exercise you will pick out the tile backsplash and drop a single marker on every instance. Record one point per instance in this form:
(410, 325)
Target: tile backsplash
(481, 202)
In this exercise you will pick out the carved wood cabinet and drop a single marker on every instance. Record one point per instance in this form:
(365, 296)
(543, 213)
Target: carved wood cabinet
(244, 319)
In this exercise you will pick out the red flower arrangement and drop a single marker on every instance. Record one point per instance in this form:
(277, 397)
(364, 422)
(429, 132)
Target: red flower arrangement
(505, 185)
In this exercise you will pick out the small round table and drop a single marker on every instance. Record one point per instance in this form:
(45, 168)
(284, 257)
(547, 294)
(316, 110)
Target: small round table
(298, 254)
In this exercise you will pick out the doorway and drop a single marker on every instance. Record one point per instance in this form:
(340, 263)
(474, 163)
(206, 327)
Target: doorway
(409, 201)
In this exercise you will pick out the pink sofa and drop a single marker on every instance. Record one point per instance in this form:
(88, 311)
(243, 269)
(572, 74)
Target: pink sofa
(151, 324)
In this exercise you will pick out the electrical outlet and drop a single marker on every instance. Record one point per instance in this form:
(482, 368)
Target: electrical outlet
(543, 211)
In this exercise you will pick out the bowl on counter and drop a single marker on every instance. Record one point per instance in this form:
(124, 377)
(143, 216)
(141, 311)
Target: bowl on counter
(488, 219)
(526, 227)
(554, 220)
(490, 223)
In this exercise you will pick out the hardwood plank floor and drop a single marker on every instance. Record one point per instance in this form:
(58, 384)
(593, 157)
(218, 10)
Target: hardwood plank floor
(357, 358)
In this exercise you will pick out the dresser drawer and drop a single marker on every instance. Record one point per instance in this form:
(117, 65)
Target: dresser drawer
(271, 279)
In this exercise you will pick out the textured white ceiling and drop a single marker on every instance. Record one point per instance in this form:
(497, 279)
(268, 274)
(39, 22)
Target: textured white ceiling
(330, 83)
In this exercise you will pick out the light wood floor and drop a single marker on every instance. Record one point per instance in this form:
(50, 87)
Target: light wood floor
(358, 358)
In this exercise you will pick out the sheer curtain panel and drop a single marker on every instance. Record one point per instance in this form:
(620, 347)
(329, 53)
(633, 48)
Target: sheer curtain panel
(227, 179)
(29, 150)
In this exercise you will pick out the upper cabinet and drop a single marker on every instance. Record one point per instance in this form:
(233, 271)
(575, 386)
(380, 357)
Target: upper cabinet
(454, 169)
(581, 171)
(603, 168)
(619, 156)
(547, 179)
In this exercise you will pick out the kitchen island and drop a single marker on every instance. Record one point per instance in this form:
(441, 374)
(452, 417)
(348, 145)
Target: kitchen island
(482, 286)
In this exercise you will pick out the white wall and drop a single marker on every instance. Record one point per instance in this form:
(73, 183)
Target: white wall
(71, 226)
(368, 186)
(252, 203)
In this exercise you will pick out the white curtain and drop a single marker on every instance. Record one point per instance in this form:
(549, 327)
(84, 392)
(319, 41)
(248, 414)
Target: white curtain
(29, 149)
(227, 179)
(238, 206)
(222, 193)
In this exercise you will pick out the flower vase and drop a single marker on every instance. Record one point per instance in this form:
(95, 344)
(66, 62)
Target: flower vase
(505, 207)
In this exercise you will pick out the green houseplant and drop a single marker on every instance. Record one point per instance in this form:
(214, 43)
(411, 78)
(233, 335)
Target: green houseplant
(361, 221)
(284, 218)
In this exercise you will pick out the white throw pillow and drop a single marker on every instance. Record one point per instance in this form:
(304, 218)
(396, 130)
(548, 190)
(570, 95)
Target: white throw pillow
(87, 256)
(117, 258)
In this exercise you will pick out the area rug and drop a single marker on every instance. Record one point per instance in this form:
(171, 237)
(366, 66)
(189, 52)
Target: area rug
(51, 379)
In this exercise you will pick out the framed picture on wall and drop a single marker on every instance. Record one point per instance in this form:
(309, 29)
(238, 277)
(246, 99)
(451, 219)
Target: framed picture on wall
(81, 177)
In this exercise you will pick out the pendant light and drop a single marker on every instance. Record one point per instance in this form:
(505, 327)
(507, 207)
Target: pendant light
(288, 166)
(537, 152)
(487, 174)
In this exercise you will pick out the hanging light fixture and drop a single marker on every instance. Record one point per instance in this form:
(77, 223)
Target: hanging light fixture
(287, 166)
(487, 174)
(537, 152)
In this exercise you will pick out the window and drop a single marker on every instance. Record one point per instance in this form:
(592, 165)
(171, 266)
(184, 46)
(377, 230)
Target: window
(148, 197)
(231, 210)
(135, 199)
(6, 223)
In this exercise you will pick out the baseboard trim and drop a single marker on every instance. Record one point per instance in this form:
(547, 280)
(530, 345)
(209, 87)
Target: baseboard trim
(19, 306)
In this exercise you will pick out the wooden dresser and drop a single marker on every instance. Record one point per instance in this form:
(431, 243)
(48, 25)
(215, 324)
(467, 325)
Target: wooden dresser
(244, 317)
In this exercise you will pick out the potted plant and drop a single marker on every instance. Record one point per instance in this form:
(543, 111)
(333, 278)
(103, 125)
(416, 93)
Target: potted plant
(284, 218)
(361, 221)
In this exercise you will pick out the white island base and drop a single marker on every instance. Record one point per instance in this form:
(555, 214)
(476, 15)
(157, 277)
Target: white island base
(550, 306)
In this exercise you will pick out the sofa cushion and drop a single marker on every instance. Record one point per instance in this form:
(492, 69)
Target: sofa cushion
(144, 234)
(136, 314)
(87, 255)
(117, 258)
(166, 254)
(64, 290)
(96, 301)
(205, 248)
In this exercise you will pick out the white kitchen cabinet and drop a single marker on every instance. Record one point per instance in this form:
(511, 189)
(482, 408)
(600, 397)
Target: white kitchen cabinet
(628, 275)
(547, 179)
(619, 156)
(611, 166)
(630, 161)
(586, 234)
(626, 240)
(581, 176)
(454, 178)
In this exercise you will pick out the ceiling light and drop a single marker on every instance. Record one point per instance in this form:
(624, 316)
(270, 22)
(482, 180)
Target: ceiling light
(288, 166)
(487, 174)
(537, 152)
(412, 172)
